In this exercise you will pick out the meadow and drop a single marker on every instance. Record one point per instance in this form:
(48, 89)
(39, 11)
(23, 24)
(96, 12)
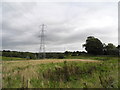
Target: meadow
(82, 72)
(11, 58)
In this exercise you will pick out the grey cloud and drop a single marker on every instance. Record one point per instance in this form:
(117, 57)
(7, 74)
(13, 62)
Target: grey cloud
(67, 25)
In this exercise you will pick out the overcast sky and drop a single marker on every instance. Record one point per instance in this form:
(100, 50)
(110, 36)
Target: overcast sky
(68, 24)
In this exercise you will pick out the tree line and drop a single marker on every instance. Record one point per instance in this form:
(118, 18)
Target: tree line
(49, 55)
(93, 46)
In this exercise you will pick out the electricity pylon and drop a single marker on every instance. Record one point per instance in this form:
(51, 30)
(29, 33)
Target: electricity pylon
(42, 54)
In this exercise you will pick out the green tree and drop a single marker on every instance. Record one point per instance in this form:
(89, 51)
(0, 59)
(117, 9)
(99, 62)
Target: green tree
(110, 49)
(93, 46)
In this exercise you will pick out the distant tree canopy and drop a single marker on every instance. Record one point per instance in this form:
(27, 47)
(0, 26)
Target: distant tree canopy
(93, 46)
(110, 49)
(96, 47)
(30, 55)
(75, 53)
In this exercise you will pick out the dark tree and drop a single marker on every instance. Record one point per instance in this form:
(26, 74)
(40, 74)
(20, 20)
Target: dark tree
(93, 46)
(110, 49)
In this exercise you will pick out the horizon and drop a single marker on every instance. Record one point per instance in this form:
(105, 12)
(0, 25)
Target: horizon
(45, 52)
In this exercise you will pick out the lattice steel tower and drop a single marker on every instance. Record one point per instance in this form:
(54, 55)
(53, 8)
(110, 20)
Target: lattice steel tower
(42, 54)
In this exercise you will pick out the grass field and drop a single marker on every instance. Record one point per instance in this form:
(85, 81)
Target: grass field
(62, 73)
(11, 58)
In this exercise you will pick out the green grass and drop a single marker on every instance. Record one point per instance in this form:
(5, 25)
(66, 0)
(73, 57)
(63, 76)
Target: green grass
(97, 57)
(66, 57)
(11, 58)
(81, 75)
(63, 75)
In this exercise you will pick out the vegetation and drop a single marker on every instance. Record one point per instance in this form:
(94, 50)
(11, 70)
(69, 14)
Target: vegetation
(110, 49)
(11, 58)
(93, 46)
(29, 55)
(33, 74)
